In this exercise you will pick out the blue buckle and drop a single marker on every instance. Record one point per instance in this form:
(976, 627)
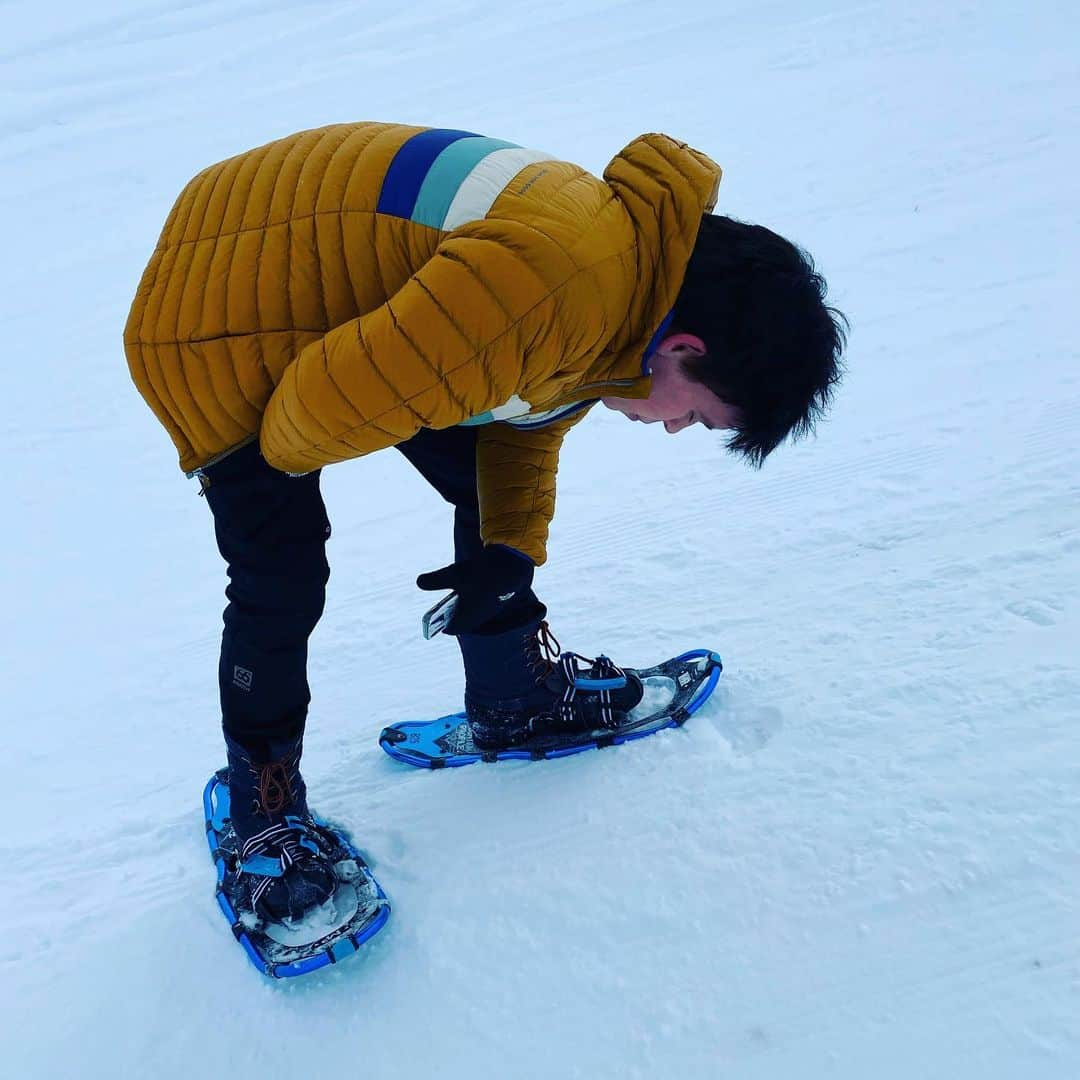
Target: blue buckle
(262, 865)
(616, 683)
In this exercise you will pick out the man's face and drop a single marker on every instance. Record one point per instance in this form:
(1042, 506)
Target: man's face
(676, 400)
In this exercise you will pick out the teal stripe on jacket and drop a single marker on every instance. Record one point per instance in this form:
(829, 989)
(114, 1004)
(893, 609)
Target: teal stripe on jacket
(448, 172)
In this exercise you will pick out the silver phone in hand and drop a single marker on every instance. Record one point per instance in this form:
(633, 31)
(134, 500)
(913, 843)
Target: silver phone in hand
(437, 617)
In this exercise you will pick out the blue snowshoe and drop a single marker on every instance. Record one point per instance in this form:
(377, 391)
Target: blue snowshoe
(296, 893)
(592, 704)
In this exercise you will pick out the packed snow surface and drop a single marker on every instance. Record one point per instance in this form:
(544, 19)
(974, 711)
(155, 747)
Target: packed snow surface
(861, 859)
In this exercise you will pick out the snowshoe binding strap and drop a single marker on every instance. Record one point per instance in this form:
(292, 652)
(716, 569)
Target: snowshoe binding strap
(599, 676)
(269, 854)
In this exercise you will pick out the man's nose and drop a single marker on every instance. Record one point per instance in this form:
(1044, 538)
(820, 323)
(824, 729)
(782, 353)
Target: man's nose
(672, 427)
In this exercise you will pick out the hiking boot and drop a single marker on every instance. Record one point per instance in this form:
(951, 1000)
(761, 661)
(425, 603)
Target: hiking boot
(564, 697)
(282, 854)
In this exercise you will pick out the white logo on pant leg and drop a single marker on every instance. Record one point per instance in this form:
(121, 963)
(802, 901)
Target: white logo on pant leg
(242, 678)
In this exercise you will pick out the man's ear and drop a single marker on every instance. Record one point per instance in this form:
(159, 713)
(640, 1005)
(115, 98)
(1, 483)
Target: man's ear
(681, 344)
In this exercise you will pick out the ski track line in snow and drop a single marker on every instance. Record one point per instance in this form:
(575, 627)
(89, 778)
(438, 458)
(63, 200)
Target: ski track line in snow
(741, 496)
(612, 538)
(160, 21)
(127, 854)
(960, 976)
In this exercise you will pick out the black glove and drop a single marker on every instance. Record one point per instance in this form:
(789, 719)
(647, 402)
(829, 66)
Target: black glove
(484, 585)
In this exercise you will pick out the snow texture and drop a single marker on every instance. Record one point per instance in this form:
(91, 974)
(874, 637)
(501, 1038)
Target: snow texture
(861, 859)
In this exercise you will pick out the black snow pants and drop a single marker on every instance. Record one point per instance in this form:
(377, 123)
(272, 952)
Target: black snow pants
(272, 530)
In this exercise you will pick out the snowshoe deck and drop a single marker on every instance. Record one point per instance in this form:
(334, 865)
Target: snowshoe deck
(686, 682)
(357, 912)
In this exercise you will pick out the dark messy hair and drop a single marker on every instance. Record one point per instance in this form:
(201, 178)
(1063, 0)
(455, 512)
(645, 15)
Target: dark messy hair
(773, 345)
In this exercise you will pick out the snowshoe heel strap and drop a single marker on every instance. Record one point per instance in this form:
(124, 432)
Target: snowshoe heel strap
(603, 674)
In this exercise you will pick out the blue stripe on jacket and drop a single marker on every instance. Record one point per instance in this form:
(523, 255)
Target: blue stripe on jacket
(409, 168)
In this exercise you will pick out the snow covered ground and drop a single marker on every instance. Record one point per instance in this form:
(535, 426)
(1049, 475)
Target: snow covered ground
(862, 859)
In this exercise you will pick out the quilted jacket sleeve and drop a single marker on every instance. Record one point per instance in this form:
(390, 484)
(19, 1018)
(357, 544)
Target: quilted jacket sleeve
(515, 479)
(450, 344)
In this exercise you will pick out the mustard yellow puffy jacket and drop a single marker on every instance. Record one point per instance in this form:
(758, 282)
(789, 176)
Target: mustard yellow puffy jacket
(336, 291)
